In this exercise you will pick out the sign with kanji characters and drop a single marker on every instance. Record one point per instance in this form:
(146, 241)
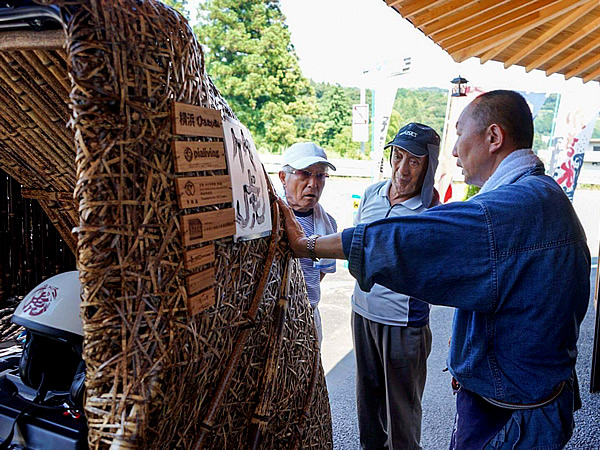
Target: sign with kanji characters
(199, 256)
(191, 120)
(202, 191)
(248, 183)
(194, 156)
(201, 301)
(206, 226)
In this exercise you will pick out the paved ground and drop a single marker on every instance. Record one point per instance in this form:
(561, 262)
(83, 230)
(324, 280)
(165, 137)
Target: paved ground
(338, 357)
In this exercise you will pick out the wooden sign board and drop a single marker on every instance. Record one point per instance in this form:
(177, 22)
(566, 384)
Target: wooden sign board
(202, 191)
(201, 301)
(190, 120)
(206, 226)
(199, 281)
(194, 156)
(199, 256)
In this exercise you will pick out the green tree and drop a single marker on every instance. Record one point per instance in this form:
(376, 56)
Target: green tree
(252, 62)
(179, 5)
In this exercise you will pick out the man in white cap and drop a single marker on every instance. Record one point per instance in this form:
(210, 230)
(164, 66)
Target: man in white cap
(303, 176)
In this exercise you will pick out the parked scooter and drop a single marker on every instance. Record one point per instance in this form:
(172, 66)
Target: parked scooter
(42, 389)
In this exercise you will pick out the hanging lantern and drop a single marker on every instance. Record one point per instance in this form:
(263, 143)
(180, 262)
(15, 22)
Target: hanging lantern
(459, 87)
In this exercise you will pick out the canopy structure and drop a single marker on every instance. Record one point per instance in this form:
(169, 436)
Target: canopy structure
(556, 36)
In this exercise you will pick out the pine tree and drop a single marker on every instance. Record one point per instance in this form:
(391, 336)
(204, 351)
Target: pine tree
(252, 62)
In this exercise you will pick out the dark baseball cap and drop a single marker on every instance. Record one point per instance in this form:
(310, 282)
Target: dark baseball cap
(417, 139)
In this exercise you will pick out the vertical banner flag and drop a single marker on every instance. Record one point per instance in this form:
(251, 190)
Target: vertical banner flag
(574, 126)
(385, 94)
(360, 122)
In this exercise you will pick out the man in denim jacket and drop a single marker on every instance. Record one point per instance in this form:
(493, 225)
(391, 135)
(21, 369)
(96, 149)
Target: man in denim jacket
(514, 263)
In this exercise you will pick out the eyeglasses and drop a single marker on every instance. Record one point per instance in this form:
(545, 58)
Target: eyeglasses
(305, 174)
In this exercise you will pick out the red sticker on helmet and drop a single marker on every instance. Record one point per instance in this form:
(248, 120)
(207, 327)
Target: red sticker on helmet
(40, 300)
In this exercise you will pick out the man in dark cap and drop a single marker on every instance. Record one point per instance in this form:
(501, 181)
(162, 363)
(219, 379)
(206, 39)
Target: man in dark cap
(392, 338)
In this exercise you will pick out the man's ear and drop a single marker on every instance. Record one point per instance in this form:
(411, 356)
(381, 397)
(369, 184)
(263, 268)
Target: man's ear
(282, 175)
(496, 137)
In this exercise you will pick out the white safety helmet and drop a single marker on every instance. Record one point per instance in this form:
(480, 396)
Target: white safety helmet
(53, 307)
(51, 358)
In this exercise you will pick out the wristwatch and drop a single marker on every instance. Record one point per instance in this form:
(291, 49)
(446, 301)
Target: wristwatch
(310, 246)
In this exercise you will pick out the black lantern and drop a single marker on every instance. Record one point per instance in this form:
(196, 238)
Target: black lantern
(459, 87)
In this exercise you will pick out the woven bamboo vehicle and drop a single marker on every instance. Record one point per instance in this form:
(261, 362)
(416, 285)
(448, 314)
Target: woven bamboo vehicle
(90, 114)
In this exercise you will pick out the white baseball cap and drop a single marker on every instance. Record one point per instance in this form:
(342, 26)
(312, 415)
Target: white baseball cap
(304, 154)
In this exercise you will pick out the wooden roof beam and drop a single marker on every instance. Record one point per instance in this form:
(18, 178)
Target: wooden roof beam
(582, 67)
(485, 23)
(33, 40)
(416, 6)
(592, 76)
(478, 45)
(495, 51)
(449, 14)
(561, 47)
(565, 22)
(577, 54)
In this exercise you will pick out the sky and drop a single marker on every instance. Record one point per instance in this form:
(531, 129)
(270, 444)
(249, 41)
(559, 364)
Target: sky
(337, 41)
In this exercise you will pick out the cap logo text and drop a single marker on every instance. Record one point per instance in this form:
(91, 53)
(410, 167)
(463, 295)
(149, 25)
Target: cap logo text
(410, 133)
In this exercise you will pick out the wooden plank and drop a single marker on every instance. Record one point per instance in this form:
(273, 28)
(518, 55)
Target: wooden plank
(495, 51)
(201, 301)
(563, 23)
(577, 54)
(196, 156)
(206, 226)
(452, 13)
(32, 40)
(203, 191)
(595, 373)
(476, 46)
(199, 256)
(562, 46)
(40, 194)
(191, 120)
(584, 65)
(489, 24)
(416, 6)
(591, 76)
(200, 281)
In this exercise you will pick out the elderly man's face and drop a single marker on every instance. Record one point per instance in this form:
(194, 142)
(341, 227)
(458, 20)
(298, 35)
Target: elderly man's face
(304, 187)
(408, 173)
(470, 148)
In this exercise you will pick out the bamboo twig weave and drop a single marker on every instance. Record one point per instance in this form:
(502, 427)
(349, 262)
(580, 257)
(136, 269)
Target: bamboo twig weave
(244, 372)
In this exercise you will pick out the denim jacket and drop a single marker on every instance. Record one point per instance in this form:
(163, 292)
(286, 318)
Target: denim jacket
(513, 261)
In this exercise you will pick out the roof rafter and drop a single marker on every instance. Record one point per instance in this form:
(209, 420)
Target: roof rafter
(578, 54)
(581, 67)
(479, 45)
(493, 52)
(559, 48)
(442, 19)
(486, 23)
(592, 76)
(416, 6)
(566, 21)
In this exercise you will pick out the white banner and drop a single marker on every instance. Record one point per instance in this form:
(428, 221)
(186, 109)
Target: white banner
(385, 94)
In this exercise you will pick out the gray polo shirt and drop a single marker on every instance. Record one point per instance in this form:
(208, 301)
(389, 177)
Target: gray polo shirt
(381, 304)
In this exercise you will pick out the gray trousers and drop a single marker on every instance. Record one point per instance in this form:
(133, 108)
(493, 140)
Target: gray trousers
(391, 368)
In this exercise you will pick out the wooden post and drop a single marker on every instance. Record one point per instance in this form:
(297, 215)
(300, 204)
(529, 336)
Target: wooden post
(595, 381)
